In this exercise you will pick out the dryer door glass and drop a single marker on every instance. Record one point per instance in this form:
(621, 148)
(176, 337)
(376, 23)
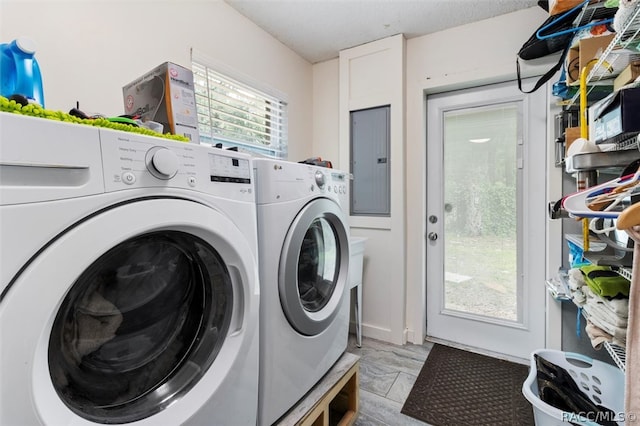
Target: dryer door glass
(140, 327)
(318, 265)
(314, 266)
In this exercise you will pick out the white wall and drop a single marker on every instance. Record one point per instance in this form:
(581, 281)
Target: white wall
(326, 113)
(88, 50)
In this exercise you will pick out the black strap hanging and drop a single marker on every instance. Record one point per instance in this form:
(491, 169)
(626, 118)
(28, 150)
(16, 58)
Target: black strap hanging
(542, 80)
(554, 35)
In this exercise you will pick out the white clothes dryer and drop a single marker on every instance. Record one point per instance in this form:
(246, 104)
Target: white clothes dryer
(303, 246)
(129, 283)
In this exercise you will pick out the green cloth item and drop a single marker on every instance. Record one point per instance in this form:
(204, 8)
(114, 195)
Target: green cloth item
(604, 281)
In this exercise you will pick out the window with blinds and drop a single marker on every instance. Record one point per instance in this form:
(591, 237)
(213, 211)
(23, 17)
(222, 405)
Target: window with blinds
(235, 114)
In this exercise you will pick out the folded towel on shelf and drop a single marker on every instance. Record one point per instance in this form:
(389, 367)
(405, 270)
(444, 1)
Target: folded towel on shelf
(576, 279)
(604, 315)
(618, 307)
(619, 333)
(597, 335)
(619, 342)
(576, 283)
(579, 297)
(604, 281)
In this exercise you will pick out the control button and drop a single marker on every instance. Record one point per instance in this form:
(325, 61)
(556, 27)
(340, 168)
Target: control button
(320, 179)
(335, 189)
(128, 178)
(340, 190)
(191, 180)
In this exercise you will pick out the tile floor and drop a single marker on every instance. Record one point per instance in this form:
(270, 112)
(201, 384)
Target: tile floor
(387, 373)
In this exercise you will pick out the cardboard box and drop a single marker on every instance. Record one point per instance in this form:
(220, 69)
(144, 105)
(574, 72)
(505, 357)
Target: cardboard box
(616, 115)
(570, 135)
(559, 6)
(165, 95)
(584, 51)
(629, 74)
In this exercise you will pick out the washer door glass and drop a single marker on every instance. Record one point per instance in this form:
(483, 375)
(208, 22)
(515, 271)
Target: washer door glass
(314, 265)
(318, 265)
(140, 327)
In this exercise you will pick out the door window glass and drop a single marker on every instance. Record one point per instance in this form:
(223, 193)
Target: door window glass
(318, 265)
(140, 327)
(481, 178)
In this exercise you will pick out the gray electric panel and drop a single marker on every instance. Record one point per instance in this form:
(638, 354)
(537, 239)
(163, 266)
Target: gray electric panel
(370, 162)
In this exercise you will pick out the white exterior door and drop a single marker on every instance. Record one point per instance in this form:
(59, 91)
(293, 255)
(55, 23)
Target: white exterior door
(486, 216)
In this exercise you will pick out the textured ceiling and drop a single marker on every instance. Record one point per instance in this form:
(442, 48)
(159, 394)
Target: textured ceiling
(318, 29)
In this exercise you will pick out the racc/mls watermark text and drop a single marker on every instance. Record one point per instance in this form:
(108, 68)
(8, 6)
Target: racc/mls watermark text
(598, 417)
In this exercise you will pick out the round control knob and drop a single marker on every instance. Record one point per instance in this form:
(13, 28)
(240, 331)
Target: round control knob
(163, 164)
(320, 179)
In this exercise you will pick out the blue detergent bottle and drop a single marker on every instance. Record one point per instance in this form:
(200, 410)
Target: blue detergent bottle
(19, 70)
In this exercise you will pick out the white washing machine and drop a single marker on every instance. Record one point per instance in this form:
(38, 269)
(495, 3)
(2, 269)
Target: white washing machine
(303, 241)
(129, 289)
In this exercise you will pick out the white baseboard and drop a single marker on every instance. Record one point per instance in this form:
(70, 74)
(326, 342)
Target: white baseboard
(383, 334)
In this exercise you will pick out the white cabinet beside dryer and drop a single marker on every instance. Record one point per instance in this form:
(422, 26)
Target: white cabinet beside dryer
(356, 244)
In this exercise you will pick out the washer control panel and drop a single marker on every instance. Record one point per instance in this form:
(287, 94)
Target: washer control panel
(138, 161)
(223, 168)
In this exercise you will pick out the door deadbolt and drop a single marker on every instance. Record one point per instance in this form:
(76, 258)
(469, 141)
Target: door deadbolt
(432, 236)
(433, 219)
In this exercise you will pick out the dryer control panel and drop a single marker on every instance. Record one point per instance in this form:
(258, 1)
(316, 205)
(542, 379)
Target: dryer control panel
(280, 181)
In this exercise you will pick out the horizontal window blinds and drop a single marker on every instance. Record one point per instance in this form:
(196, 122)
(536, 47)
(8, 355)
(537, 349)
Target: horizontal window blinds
(234, 113)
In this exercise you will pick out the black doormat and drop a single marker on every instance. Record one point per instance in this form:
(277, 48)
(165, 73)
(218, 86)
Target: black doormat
(456, 387)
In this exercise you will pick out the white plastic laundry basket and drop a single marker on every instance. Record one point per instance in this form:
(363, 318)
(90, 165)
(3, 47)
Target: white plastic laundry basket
(601, 382)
